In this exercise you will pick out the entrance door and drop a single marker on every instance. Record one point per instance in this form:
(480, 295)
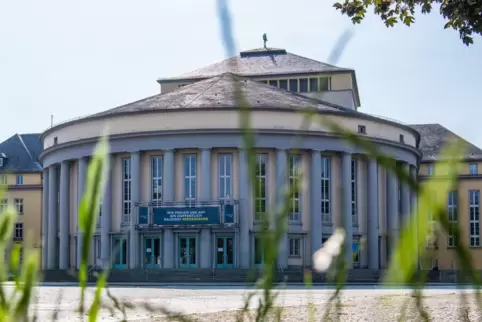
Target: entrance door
(258, 253)
(187, 252)
(152, 252)
(120, 250)
(224, 252)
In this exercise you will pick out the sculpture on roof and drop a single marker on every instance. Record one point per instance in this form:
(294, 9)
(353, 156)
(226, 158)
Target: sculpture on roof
(265, 40)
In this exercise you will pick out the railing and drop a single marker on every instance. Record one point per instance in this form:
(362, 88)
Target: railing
(186, 213)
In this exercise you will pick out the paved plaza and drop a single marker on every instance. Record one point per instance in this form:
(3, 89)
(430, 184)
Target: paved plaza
(199, 298)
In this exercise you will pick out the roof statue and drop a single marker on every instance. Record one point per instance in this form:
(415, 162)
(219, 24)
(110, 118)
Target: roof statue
(265, 39)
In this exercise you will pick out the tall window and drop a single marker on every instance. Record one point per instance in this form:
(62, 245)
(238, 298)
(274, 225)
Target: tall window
(190, 177)
(473, 169)
(18, 205)
(19, 179)
(295, 171)
(474, 217)
(260, 185)
(452, 216)
(18, 233)
(156, 179)
(295, 247)
(126, 190)
(3, 205)
(225, 165)
(3, 179)
(432, 223)
(430, 170)
(354, 176)
(325, 189)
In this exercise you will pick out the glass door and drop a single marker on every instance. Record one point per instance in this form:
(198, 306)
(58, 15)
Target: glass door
(120, 251)
(224, 252)
(258, 253)
(152, 252)
(187, 252)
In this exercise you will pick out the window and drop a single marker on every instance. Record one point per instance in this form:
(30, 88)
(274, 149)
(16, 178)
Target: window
(19, 179)
(452, 217)
(18, 205)
(225, 165)
(3, 179)
(354, 175)
(3, 205)
(18, 233)
(273, 82)
(362, 129)
(293, 85)
(283, 83)
(430, 169)
(190, 171)
(325, 189)
(294, 175)
(473, 169)
(156, 179)
(1, 162)
(325, 84)
(313, 84)
(303, 85)
(56, 140)
(432, 224)
(402, 138)
(260, 185)
(126, 190)
(295, 247)
(474, 217)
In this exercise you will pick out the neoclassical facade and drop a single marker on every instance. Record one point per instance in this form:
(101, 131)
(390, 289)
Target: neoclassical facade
(178, 193)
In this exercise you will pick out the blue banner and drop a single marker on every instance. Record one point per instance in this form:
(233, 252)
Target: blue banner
(143, 215)
(186, 215)
(229, 214)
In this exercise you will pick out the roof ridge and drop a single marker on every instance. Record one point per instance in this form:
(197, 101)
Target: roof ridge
(24, 145)
(318, 61)
(206, 89)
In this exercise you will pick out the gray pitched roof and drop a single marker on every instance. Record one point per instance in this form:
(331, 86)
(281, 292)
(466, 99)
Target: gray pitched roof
(434, 137)
(261, 62)
(21, 152)
(219, 92)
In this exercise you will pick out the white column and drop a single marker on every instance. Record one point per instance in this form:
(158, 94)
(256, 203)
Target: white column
(52, 224)
(206, 245)
(106, 219)
(64, 217)
(281, 186)
(372, 226)
(316, 217)
(45, 218)
(135, 199)
(347, 207)
(81, 180)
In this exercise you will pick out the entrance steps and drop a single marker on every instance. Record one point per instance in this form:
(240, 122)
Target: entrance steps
(291, 275)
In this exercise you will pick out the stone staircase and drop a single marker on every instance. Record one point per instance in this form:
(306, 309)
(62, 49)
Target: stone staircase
(187, 276)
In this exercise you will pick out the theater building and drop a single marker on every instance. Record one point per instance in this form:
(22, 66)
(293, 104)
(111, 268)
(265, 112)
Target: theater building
(178, 193)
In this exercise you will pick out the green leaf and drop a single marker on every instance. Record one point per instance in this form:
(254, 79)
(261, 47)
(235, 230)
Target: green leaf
(89, 208)
(413, 239)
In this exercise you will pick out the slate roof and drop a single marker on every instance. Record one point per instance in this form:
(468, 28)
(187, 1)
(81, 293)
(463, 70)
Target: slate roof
(22, 153)
(434, 137)
(219, 92)
(260, 62)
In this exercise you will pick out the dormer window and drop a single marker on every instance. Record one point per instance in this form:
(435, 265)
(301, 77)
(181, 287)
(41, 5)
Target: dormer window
(3, 159)
(402, 138)
(56, 140)
(362, 129)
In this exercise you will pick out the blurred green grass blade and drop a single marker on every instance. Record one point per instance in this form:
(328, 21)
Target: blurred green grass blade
(412, 244)
(97, 303)
(89, 208)
(29, 279)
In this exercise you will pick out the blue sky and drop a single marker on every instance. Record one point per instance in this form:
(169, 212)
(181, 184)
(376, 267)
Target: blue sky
(72, 59)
